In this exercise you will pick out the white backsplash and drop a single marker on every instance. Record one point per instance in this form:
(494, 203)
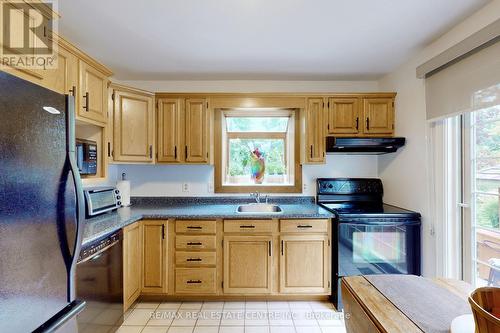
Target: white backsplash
(168, 180)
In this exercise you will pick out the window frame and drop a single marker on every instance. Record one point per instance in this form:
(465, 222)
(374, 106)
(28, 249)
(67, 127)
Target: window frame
(221, 144)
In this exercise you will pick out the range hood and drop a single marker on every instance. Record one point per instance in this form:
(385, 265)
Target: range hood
(363, 146)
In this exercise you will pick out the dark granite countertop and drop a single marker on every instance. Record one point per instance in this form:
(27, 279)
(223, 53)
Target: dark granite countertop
(195, 208)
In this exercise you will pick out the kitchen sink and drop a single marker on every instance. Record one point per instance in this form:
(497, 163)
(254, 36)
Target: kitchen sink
(259, 208)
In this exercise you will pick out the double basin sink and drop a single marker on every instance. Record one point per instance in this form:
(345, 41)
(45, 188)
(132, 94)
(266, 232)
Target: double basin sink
(259, 208)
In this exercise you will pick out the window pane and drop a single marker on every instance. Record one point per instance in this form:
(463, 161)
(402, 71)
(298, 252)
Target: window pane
(257, 124)
(242, 162)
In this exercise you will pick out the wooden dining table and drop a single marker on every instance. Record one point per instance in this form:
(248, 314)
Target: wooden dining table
(366, 309)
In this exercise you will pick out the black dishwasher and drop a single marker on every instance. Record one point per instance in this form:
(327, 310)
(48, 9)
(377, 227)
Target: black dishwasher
(99, 281)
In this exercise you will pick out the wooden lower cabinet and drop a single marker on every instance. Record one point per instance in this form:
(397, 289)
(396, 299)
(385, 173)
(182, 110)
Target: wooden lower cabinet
(132, 249)
(304, 263)
(154, 256)
(247, 264)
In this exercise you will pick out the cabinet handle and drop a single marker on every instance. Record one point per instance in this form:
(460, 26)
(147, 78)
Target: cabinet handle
(194, 227)
(367, 124)
(163, 231)
(109, 149)
(282, 245)
(175, 152)
(194, 243)
(193, 259)
(247, 226)
(303, 226)
(311, 151)
(150, 151)
(357, 123)
(270, 249)
(193, 281)
(186, 152)
(72, 91)
(86, 105)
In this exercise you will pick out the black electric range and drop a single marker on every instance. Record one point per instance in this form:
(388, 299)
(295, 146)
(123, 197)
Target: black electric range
(371, 237)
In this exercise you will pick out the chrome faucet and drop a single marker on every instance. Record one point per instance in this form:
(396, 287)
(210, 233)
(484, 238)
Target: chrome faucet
(256, 196)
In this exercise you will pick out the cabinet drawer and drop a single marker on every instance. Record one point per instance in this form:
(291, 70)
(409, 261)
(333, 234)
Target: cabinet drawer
(304, 226)
(195, 227)
(195, 242)
(248, 226)
(195, 280)
(195, 258)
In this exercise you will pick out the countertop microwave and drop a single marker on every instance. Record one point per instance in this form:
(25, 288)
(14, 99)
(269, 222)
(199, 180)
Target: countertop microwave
(99, 200)
(86, 156)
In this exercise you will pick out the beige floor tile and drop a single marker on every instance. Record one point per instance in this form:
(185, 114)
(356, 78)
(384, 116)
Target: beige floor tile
(256, 329)
(299, 305)
(256, 318)
(333, 329)
(232, 329)
(130, 329)
(191, 305)
(308, 329)
(209, 318)
(304, 318)
(146, 305)
(180, 330)
(162, 318)
(212, 305)
(185, 318)
(234, 306)
(138, 317)
(277, 305)
(250, 305)
(282, 329)
(333, 323)
(169, 306)
(155, 329)
(233, 318)
(206, 329)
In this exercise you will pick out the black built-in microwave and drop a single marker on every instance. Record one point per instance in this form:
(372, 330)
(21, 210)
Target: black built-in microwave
(86, 156)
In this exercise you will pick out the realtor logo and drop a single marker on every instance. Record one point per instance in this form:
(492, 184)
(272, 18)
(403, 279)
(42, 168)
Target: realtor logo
(27, 35)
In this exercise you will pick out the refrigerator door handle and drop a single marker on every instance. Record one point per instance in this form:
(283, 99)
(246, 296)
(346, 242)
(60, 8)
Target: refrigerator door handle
(62, 317)
(80, 200)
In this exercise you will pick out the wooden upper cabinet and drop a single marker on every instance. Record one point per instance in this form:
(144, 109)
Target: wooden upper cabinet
(343, 116)
(93, 97)
(170, 130)
(197, 130)
(304, 264)
(133, 126)
(154, 257)
(314, 148)
(378, 115)
(132, 243)
(247, 264)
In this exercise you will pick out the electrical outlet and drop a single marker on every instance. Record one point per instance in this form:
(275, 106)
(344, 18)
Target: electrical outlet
(185, 187)
(304, 187)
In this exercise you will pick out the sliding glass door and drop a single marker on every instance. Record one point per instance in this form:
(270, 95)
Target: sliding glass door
(481, 188)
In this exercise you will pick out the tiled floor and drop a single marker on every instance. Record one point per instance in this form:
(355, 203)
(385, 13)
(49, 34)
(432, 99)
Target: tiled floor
(233, 317)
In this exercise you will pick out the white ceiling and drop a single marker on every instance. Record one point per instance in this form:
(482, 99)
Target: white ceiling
(256, 39)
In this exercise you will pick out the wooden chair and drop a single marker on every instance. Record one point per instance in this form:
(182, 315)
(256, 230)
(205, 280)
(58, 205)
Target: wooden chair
(485, 302)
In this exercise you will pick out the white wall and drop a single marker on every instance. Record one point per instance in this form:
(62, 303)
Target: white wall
(404, 176)
(167, 180)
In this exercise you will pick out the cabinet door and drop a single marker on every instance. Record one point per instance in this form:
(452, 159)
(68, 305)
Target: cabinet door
(131, 264)
(154, 263)
(133, 127)
(378, 115)
(197, 130)
(247, 264)
(314, 131)
(343, 116)
(170, 130)
(93, 86)
(64, 78)
(304, 264)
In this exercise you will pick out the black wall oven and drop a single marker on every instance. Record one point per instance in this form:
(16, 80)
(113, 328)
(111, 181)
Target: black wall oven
(371, 237)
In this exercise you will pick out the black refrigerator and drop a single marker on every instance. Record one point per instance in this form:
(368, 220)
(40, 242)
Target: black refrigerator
(41, 208)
